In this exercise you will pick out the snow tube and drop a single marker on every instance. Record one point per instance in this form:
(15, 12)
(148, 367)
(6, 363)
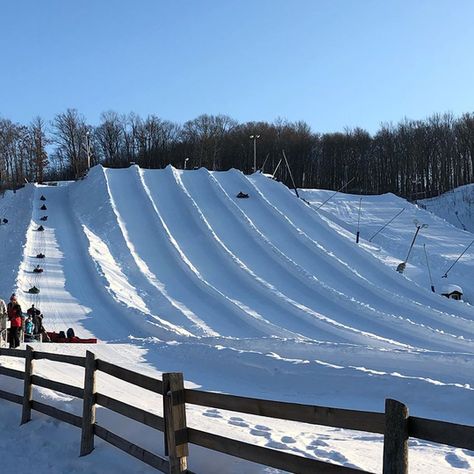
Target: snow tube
(54, 336)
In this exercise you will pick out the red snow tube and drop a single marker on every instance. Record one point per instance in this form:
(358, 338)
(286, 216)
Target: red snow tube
(54, 336)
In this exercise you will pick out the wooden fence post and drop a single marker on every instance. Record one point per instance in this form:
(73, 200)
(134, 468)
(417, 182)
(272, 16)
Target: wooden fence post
(28, 386)
(88, 408)
(174, 412)
(395, 446)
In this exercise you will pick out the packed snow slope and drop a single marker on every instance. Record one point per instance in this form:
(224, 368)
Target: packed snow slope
(456, 206)
(266, 296)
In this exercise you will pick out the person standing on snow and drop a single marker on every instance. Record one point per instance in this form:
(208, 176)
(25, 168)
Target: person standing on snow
(35, 317)
(3, 323)
(15, 317)
(29, 329)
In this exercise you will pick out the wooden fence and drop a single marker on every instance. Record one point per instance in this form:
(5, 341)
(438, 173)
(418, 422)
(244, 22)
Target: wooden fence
(395, 424)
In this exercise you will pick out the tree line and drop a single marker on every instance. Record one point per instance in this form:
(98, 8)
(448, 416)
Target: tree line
(413, 159)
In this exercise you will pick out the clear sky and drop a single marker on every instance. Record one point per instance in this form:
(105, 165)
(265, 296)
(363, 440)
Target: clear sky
(332, 63)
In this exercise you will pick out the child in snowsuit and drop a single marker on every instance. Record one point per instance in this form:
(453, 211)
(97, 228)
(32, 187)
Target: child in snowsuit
(29, 326)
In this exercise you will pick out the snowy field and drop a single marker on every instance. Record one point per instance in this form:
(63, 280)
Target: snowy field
(262, 297)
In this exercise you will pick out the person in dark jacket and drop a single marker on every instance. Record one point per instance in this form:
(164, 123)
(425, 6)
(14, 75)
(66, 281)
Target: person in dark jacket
(36, 317)
(15, 316)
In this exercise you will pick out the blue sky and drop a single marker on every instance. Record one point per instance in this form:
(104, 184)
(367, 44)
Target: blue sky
(332, 63)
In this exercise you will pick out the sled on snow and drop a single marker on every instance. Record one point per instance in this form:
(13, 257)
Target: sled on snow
(242, 195)
(61, 338)
(35, 338)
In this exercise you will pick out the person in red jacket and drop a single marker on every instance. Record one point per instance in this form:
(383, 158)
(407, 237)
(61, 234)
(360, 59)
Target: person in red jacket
(15, 317)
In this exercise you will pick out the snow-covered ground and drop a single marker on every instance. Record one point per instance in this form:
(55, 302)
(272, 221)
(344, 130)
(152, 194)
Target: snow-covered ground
(456, 206)
(263, 297)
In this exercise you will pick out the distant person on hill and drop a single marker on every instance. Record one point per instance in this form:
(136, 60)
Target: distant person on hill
(15, 316)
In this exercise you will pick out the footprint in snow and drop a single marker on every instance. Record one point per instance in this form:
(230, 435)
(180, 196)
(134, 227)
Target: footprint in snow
(417, 442)
(288, 440)
(276, 445)
(262, 428)
(212, 413)
(317, 443)
(236, 421)
(264, 433)
(333, 455)
(455, 461)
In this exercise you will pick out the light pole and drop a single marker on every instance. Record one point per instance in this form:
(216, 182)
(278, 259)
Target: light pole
(88, 150)
(185, 163)
(401, 266)
(254, 138)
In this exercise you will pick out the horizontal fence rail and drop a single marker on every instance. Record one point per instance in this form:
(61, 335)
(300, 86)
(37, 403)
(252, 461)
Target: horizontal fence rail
(151, 459)
(394, 424)
(129, 411)
(60, 415)
(269, 457)
(140, 380)
(11, 397)
(66, 359)
(13, 352)
(58, 386)
(16, 374)
(335, 417)
(442, 432)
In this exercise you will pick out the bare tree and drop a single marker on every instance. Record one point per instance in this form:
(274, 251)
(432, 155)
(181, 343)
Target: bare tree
(70, 135)
(38, 142)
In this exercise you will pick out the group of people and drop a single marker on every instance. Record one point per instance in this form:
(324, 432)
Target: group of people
(31, 326)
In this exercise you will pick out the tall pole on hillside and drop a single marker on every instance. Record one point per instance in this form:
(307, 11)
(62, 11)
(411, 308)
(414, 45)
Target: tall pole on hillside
(88, 150)
(290, 173)
(254, 138)
(429, 269)
(358, 222)
(338, 191)
(389, 222)
(401, 266)
(457, 260)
